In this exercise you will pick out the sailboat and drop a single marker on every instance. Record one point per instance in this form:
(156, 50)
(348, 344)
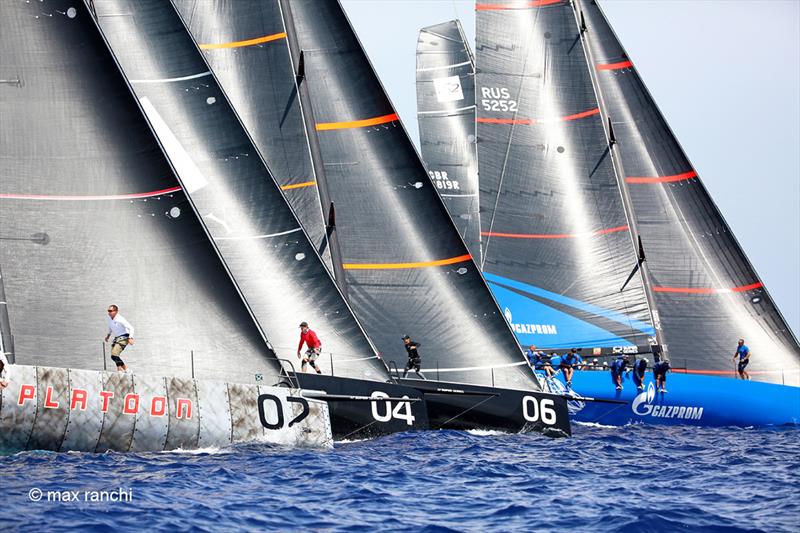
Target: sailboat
(395, 254)
(91, 214)
(598, 234)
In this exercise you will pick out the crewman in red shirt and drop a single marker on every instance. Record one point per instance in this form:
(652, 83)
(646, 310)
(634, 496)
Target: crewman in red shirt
(314, 345)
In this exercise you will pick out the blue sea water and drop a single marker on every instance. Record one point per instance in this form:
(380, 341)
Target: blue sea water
(633, 478)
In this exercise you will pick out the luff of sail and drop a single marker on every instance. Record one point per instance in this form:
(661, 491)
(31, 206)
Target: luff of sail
(92, 215)
(556, 242)
(264, 247)
(446, 116)
(707, 293)
(245, 45)
(407, 270)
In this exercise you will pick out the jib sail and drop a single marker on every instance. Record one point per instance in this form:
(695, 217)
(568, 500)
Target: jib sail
(706, 291)
(270, 258)
(446, 115)
(92, 215)
(557, 248)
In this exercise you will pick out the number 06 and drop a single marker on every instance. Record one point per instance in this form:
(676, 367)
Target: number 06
(531, 410)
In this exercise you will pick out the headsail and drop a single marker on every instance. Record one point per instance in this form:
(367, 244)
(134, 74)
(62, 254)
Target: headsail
(707, 293)
(446, 115)
(556, 242)
(407, 270)
(92, 215)
(267, 252)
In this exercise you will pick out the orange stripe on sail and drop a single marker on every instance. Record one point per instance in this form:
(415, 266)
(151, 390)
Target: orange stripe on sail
(662, 179)
(422, 264)
(614, 66)
(708, 290)
(248, 42)
(576, 116)
(552, 235)
(529, 121)
(323, 126)
(298, 185)
(525, 121)
(503, 7)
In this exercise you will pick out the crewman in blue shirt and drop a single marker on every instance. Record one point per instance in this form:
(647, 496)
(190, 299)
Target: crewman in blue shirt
(743, 353)
(569, 363)
(617, 368)
(660, 370)
(639, 369)
(533, 357)
(555, 363)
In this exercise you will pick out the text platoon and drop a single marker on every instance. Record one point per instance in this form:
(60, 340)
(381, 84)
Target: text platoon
(131, 402)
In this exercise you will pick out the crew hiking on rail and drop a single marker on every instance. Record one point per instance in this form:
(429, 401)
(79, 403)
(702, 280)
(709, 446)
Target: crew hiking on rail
(414, 359)
(314, 345)
(123, 336)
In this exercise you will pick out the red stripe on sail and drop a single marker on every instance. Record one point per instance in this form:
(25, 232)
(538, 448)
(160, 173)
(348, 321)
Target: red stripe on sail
(530, 121)
(87, 198)
(662, 179)
(526, 5)
(525, 121)
(614, 66)
(708, 290)
(553, 235)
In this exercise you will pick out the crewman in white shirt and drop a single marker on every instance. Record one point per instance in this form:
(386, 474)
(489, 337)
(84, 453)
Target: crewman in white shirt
(123, 335)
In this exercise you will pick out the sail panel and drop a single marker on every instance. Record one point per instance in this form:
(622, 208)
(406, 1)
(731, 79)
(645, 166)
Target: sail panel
(446, 116)
(262, 243)
(556, 242)
(245, 45)
(91, 215)
(407, 270)
(707, 293)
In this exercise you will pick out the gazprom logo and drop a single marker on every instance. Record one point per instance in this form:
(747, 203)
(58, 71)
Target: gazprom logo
(643, 406)
(538, 329)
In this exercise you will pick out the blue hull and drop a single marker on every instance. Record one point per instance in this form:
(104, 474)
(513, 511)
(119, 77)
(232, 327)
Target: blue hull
(692, 399)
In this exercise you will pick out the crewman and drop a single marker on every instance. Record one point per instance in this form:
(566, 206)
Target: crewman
(532, 355)
(569, 363)
(123, 336)
(314, 346)
(414, 359)
(639, 369)
(743, 353)
(3, 380)
(617, 367)
(660, 370)
(555, 364)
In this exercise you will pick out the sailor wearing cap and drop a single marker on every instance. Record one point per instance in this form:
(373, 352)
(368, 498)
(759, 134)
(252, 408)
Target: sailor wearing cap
(314, 345)
(123, 336)
(414, 359)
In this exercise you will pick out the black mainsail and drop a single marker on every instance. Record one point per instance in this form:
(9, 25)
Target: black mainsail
(446, 116)
(91, 214)
(556, 241)
(245, 45)
(265, 249)
(406, 269)
(706, 291)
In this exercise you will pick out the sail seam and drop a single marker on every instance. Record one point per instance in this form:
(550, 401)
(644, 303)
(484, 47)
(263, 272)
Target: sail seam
(554, 235)
(48, 197)
(443, 67)
(171, 80)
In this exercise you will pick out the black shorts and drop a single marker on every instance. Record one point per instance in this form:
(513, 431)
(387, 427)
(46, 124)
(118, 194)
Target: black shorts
(117, 360)
(660, 375)
(743, 365)
(564, 367)
(413, 363)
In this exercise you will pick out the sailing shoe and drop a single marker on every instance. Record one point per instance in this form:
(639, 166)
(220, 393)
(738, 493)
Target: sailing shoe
(619, 387)
(664, 390)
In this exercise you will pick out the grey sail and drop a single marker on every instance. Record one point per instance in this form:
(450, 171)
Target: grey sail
(557, 245)
(245, 45)
(707, 293)
(446, 116)
(91, 214)
(265, 249)
(407, 271)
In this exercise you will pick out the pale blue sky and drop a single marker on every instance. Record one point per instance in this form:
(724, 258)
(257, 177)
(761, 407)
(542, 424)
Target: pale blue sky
(725, 73)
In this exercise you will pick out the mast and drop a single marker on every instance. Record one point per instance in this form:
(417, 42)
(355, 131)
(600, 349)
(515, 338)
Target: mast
(307, 111)
(660, 347)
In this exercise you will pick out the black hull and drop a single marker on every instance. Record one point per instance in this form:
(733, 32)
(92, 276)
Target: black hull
(461, 406)
(363, 419)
